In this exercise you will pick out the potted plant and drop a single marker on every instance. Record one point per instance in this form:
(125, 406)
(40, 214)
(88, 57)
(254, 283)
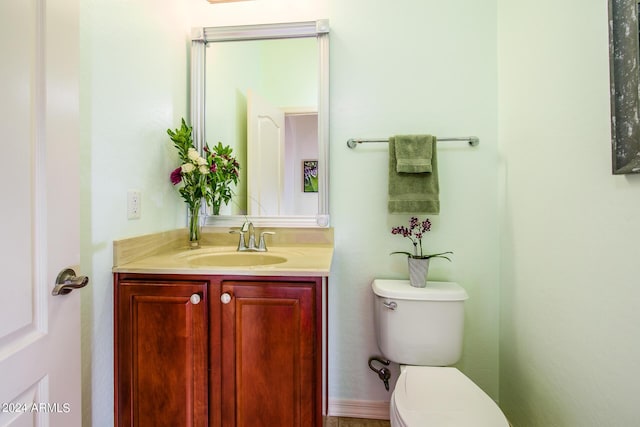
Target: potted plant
(418, 261)
(207, 177)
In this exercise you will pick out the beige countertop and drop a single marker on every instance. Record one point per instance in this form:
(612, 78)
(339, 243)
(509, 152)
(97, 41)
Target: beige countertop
(291, 252)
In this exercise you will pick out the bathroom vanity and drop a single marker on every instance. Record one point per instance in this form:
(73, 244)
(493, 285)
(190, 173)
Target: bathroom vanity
(211, 337)
(217, 337)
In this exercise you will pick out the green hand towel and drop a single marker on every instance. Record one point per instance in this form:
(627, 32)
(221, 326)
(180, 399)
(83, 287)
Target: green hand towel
(413, 153)
(413, 193)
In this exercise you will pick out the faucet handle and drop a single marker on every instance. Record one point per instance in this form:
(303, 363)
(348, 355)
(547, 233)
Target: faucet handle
(242, 246)
(262, 246)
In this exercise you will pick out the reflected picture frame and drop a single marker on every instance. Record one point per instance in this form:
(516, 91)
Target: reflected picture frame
(310, 176)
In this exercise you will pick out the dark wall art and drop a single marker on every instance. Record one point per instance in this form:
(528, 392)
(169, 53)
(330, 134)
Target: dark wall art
(624, 51)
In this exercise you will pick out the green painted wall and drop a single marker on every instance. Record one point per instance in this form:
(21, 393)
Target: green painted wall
(133, 87)
(412, 67)
(570, 301)
(543, 234)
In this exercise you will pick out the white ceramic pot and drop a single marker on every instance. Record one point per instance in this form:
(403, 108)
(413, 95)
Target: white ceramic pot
(418, 270)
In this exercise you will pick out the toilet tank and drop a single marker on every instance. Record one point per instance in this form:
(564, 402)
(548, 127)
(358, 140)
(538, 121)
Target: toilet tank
(419, 326)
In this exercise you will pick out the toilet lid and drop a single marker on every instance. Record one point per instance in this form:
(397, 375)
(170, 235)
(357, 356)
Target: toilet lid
(443, 397)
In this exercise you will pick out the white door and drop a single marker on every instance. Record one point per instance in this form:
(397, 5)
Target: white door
(265, 157)
(39, 222)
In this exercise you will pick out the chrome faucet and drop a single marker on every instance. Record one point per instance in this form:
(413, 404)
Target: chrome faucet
(247, 227)
(252, 237)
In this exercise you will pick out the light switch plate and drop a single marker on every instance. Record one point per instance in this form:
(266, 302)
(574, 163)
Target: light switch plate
(133, 204)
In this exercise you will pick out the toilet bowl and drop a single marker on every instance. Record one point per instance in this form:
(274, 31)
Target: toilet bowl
(427, 396)
(422, 330)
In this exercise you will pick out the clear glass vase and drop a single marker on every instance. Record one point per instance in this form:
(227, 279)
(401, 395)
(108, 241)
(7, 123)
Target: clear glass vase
(215, 205)
(194, 225)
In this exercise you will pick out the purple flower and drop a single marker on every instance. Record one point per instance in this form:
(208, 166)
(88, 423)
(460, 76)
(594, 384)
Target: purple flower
(400, 230)
(413, 222)
(176, 176)
(415, 232)
(214, 167)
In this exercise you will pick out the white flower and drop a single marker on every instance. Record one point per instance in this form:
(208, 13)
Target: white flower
(204, 169)
(188, 168)
(201, 161)
(193, 154)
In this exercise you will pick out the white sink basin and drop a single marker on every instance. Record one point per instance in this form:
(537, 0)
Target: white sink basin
(234, 259)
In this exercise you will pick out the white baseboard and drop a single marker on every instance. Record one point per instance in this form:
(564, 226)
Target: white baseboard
(359, 409)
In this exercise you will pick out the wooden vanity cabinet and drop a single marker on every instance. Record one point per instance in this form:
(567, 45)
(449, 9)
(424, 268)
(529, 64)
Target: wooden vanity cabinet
(263, 337)
(161, 352)
(271, 354)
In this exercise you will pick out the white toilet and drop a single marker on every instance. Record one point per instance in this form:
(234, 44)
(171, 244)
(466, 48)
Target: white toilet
(422, 329)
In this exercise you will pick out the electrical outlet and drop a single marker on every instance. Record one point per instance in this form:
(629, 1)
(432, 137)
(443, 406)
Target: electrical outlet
(133, 204)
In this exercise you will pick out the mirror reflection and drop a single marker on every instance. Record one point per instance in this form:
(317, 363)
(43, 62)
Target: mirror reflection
(262, 100)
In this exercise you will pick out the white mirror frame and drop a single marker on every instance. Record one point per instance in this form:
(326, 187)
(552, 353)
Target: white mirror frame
(320, 29)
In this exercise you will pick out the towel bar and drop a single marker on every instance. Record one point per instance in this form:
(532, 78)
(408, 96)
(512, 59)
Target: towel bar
(473, 140)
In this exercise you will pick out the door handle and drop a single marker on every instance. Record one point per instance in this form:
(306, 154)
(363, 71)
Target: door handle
(68, 281)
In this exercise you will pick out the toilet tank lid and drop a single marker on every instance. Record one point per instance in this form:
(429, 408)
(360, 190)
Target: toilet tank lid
(434, 291)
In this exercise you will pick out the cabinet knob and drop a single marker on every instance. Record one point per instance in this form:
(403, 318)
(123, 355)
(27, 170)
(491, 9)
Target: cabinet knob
(225, 298)
(195, 299)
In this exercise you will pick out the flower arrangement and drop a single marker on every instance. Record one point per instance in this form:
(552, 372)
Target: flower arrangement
(192, 174)
(224, 171)
(207, 177)
(415, 233)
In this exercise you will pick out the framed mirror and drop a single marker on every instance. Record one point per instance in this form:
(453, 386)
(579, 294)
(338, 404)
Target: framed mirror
(263, 90)
(624, 52)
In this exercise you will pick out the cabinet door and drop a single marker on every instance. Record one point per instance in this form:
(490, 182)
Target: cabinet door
(270, 354)
(161, 353)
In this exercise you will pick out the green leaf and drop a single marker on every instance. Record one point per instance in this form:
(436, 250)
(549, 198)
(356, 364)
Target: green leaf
(400, 252)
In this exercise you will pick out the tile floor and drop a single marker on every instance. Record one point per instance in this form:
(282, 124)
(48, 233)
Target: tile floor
(354, 422)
